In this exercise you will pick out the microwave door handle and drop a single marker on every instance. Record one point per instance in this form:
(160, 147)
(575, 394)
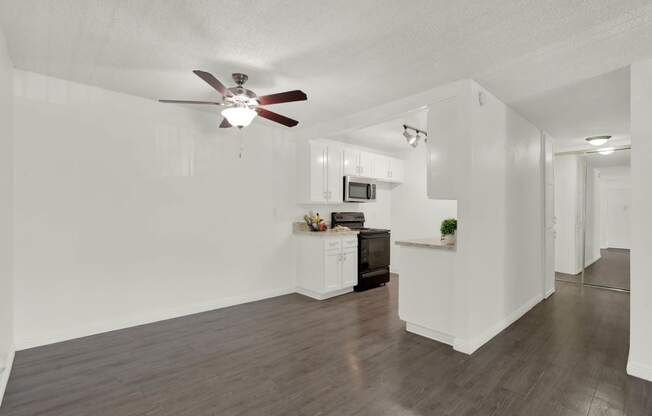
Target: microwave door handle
(369, 192)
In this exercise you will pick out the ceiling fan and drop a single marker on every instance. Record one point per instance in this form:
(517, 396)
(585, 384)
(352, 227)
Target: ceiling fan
(243, 105)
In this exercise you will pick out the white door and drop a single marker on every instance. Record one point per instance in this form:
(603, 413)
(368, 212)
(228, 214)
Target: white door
(334, 177)
(351, 162)
(549, 216)
(332, 274)
(618, 225)
(350, 267)
(318, 177)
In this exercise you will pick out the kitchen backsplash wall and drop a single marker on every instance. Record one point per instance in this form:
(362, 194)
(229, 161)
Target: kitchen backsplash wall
(377, 214)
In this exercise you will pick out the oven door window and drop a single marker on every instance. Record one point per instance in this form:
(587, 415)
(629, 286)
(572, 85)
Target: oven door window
(374, 253)
(358, 190)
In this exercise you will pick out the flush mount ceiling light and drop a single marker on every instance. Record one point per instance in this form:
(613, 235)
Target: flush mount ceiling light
(606, 151)
(242, 104)
(598, 140)
(412, 138)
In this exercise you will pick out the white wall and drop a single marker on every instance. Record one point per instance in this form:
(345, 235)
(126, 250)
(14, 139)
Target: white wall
(413, 214)
(501, 218)
(129, 211)
(568, 214)
(524, 210)
(6, 215)
(640, 348)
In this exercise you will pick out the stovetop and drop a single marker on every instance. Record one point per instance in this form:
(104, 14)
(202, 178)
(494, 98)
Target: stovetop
(355, 221)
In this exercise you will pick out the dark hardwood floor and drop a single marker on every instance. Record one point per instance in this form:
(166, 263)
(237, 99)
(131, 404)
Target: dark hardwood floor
(611, 270)
(346, 356)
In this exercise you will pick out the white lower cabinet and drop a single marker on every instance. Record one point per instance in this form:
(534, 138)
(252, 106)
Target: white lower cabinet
(327, 265)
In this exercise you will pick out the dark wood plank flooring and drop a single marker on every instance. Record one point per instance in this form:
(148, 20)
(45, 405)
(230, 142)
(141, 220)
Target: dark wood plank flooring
(346, 356)
(611, 270)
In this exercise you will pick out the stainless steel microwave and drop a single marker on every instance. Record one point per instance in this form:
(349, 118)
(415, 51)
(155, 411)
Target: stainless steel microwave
(359, 190)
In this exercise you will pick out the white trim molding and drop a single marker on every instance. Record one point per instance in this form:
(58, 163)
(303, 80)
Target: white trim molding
(322, 296)
(429, 333)
(639, 370)
(5, 372)
(45, 338)
(471, 345)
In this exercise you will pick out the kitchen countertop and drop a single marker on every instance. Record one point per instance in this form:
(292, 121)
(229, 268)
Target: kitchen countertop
(433, 243)
(302, 229)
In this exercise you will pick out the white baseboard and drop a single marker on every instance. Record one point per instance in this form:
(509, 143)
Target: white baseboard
(639, 370)
(51, 337)
(4, 376)
(471, 345)
(429, 333)
(549, 292)
(322, 296)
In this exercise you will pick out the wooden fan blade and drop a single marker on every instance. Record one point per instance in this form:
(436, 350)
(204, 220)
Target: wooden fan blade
(270, 115)
(212, 81)
(283, 97)
(189, 102)
(225, 124)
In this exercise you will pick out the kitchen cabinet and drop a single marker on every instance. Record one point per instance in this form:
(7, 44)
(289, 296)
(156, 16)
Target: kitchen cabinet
(327, 265)
(387, 169)
(358, 163)
(321, 179)
(322, 164)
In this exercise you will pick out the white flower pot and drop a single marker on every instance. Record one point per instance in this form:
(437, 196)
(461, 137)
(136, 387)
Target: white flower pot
(449, 239)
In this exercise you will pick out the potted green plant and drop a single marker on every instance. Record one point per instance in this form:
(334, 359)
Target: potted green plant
(448, 229)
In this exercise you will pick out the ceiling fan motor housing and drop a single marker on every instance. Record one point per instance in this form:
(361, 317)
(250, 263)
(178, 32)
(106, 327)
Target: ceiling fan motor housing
(239, 78)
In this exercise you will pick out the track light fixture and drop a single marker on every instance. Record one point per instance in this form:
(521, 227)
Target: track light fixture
(412, 138)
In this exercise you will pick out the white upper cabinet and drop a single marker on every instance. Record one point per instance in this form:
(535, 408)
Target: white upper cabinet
(319, 173)
(334, 176)
(366, 163)
(351, 162)
(396, 170)
(358, 163)
(322, 165)
(387, 169)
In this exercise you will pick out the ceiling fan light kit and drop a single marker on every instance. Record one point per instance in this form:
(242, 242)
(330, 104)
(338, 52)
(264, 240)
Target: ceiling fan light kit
(242, 104)
(239, 116)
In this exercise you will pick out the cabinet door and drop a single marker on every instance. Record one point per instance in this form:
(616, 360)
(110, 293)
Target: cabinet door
(365, 164)
(351, 162)
(318, 176)
(334, 176)
(332, 270)
(380, 167)
(396, 170)
(350, 268)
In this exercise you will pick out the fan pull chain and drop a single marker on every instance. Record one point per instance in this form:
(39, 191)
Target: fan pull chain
(241, 152)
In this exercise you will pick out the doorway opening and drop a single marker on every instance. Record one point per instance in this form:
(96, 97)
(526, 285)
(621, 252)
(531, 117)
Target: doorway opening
(592, 212)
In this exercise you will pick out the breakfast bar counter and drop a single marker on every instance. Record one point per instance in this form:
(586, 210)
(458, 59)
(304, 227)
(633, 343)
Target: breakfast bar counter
(426, 288)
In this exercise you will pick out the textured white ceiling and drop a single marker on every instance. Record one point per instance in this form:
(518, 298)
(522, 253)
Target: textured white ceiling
(618, 158)
(593, 107)
(386, 136)
(347, 55)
